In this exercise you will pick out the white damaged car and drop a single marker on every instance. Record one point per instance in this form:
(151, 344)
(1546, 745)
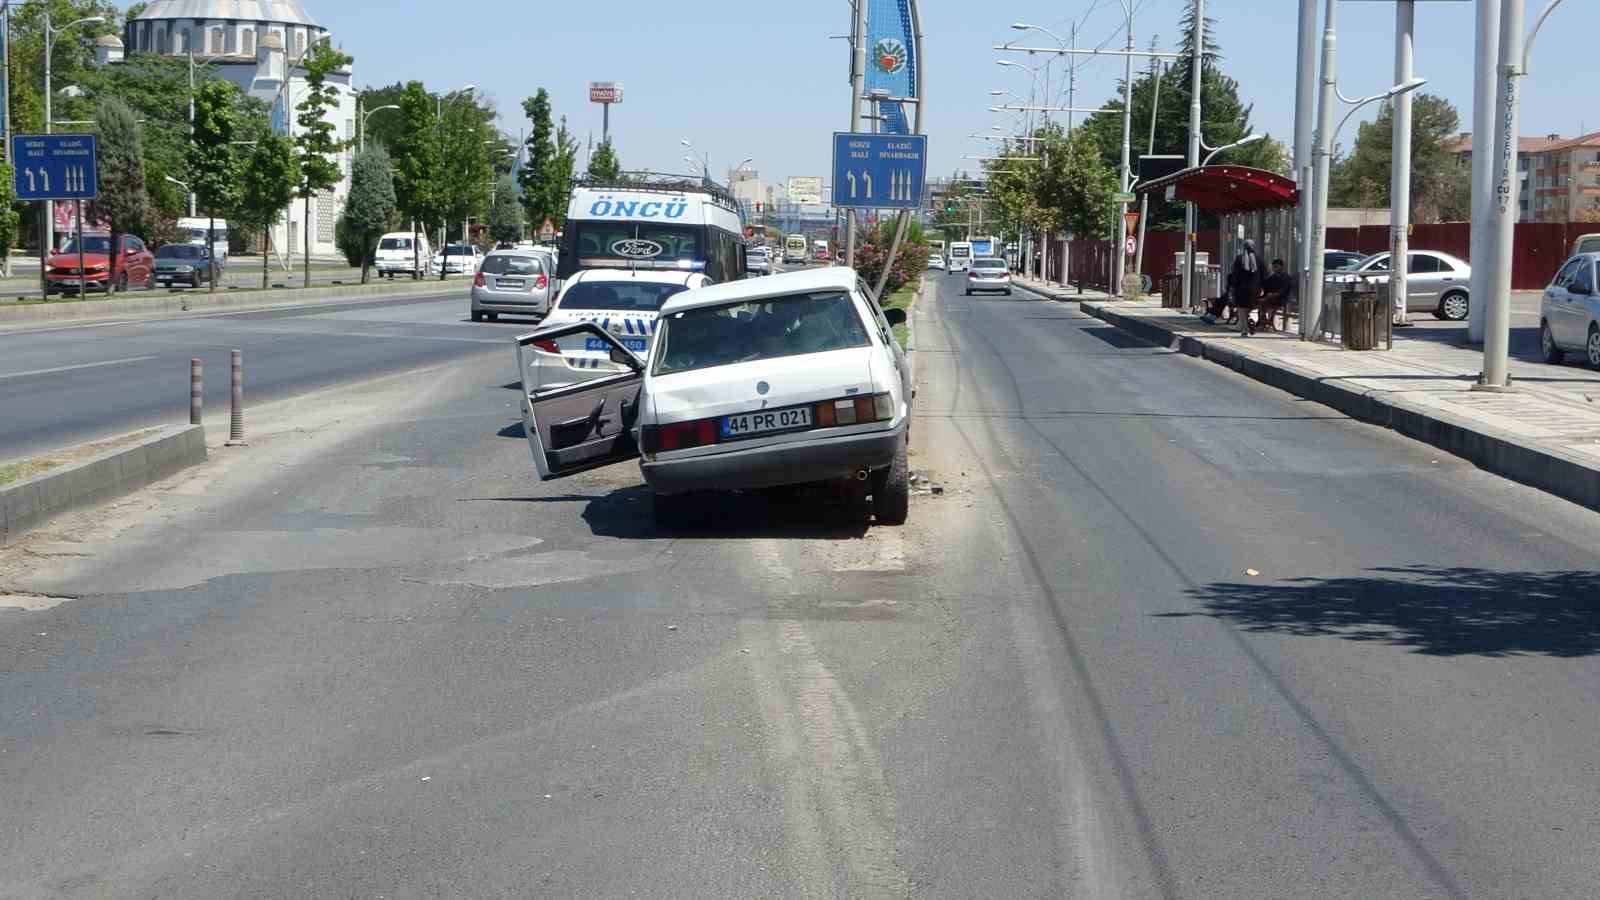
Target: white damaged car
(791, 379)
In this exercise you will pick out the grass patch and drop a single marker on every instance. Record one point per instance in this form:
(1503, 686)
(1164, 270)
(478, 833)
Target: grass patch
(902, 299)
(27, 468)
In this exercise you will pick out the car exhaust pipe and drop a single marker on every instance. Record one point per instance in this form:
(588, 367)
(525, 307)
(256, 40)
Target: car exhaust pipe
(861, 474)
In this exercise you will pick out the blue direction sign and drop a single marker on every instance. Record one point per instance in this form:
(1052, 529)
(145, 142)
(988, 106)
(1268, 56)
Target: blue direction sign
(55, 166)
(879, 171)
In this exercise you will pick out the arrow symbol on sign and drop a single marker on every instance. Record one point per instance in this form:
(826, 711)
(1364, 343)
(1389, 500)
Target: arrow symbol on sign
(867, 177)
(852, 177)
(44, 176)
(28, 171)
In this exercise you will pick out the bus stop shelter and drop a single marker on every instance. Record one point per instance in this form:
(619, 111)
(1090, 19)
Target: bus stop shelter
(1250, 203)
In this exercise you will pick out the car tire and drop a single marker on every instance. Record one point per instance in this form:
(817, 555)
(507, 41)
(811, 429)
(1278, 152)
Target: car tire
(969, 292)
(1454, 307)
(891, 490)
(477, 316)
(493, 317)
(194, 280)
(1592, 347)
(1548, 349)
(1008, 293)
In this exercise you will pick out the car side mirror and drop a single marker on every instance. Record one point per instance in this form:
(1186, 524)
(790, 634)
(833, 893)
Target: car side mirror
(622, 357)
(896, 316)
(129, 251)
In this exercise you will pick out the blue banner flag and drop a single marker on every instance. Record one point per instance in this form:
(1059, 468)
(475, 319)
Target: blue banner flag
(891, 52)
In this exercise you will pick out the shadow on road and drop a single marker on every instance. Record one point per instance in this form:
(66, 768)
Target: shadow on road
(629, 513)
(514, 430)
(1435, 611)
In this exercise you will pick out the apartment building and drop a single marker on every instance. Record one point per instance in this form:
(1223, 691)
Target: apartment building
(1527, 149)
(1565, 181)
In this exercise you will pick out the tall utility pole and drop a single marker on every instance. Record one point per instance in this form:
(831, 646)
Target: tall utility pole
(1144, 199)
(47, 224)
(1311, 304)
(1127, 142)
(1487, 50)
(1196, 59)
(858, 83)
(1400, 162)
(1305, 86)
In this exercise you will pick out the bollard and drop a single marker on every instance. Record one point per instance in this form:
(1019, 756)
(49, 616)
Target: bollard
(195, 391)
(236, 414)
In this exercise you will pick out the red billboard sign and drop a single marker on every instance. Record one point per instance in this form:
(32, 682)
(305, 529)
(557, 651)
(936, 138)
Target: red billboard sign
(605, 92)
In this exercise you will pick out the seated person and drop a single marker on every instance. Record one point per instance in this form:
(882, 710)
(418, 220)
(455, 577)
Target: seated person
(1278, 291)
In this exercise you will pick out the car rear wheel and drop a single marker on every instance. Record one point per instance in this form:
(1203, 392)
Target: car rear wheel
(194, 279)
(1547, 345)
(122, 283)
(1592, 347)
(891, 490)
(1453, 307)
(477, 316)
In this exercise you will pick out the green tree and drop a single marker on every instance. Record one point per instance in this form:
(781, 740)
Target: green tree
(462, 178)
(505, 212)
(417, 162)
(368, 210)
(603, 163)
(122, 201)
(1077, 187)
(213, 163)
(316, 145)
(1363, 178)
(267, 186)
(563, 166)
(540, 162)
(9, 220)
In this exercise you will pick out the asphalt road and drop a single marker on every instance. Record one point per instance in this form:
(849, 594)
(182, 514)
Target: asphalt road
(242, 272)
(1165, 633)
(62, 385)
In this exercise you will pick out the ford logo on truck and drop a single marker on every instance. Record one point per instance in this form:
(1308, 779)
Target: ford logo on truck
(636, 248)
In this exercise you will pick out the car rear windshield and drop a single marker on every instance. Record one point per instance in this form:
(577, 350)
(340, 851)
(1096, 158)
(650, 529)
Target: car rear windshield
(395, 244)
(180, 251)
(760, 329)
(510, 264)
(458, 249)
(988, 264)
(635, 295)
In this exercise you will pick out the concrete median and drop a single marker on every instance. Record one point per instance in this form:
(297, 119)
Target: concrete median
(121, 468)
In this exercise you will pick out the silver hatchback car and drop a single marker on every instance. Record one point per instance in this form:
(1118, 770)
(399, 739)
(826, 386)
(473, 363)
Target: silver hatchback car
(516, 282)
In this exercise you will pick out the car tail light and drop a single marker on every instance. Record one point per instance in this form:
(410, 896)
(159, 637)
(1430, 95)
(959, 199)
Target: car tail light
(542, 283)
(548, 346)
(854, 410)
(679, 435)
(477, 280)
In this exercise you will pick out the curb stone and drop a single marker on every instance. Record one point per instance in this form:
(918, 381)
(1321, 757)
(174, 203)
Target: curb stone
(1550, 469)
(121, 470)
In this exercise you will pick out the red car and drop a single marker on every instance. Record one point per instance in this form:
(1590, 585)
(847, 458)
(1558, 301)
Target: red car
(135, 265)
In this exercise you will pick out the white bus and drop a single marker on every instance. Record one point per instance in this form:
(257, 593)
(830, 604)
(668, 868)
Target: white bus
(653, 222)
(960, 256)
(193, 229)
(794, 249)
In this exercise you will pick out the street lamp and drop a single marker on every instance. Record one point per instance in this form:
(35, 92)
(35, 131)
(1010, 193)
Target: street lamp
(48, 223)
(1233, 146)
(367, 115)
(1311, 313)
(705, 169)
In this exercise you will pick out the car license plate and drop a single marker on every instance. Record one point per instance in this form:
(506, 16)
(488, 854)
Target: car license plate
(508, 283)
(751, 424)
(637, 345)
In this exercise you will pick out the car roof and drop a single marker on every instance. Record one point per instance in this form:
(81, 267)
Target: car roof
(827, 278)
(654, 276)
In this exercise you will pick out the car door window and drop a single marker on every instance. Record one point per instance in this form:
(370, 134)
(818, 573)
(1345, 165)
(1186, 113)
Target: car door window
(1583, 279)
(1564, 277)
(1379, 265)
(1423, 263)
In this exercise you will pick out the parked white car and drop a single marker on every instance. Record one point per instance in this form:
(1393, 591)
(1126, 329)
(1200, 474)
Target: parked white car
(1569, 312)
(762, 383)
(621, 302)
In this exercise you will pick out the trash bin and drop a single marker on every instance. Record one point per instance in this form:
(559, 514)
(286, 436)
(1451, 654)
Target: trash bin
(1172, 291)
(1358, 321)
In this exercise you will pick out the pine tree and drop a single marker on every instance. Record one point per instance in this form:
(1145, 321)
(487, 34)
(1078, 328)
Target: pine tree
(122, 201)
(316, 144)
(368, 209)
(604, 164)
(541, 162)
(505, 212)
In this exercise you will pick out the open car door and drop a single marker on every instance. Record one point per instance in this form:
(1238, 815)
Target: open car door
(575, 427)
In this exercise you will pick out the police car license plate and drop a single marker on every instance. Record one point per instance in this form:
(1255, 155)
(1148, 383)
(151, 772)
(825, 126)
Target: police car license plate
(634, 344)
(751, 424)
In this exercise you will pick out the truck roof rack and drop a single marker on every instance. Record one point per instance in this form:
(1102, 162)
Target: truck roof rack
(662, 183)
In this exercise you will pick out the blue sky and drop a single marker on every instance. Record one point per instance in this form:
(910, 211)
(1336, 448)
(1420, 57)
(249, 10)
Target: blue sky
(764, 80)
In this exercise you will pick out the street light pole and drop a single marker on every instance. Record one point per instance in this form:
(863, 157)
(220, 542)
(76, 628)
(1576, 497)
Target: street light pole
(1198, 38)
(1127, 150)
(362, 144)
(1311, 307)
(47, 227)
(858, 80)
(1487, 49)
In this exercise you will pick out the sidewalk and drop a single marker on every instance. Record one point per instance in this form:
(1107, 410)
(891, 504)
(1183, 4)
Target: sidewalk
(1545, 433)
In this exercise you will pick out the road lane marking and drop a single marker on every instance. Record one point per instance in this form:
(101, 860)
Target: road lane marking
(93, 365)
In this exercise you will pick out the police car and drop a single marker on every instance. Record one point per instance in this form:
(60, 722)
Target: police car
(625, 303)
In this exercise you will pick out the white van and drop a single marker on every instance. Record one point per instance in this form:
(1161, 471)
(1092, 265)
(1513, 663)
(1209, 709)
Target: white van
(194, 228)
(653, 223)
(960, 256)
(398, 256)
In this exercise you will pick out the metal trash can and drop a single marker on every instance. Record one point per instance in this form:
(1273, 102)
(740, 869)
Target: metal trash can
(1172, 291)
(1358, 319)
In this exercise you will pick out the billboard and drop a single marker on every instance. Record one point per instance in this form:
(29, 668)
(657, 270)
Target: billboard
(891, 51)
(805, 189)
(605, 92)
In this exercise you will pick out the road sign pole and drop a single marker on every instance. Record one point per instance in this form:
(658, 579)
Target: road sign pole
(111, 258)
(46, 224)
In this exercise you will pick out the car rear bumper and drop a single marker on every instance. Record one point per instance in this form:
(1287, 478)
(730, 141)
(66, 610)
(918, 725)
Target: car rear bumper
(775, 465)
(514, 304)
